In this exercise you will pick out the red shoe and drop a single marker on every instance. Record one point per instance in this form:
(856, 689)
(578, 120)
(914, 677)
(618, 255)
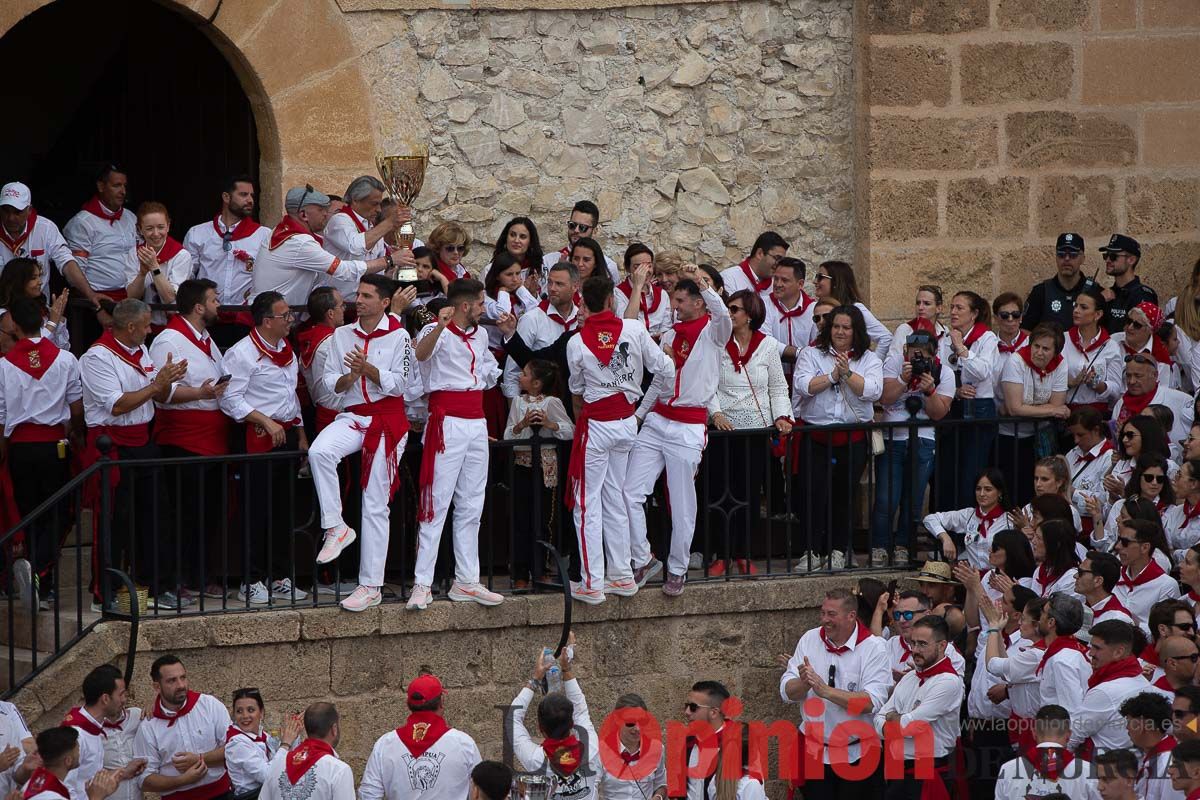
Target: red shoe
(717, 568)
(746, 567)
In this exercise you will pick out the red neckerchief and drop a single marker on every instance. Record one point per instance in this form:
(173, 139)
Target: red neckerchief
(304, 758)
(161, 713)
(861, 634)
(1150, 655)
(985, 520)
(421, 731)
(738, 358)
(1049, 762)
(656, 296)
(1077, 340)
(943, 667)
(1158, 349)
(181, 326)
(1111, 604)
(1127, 667)
(600, 333)
(234, 730)
(973, 335)
(628, 757)
(94, 206)
(1192, 595)
(169, 250)
(15, 244)
(245, 227)
(905, 650)
(1026, 354)
(286, 229)
(1165, 745)
(1021, 340)
(392, 324)
(1194, 794)
(310, 339)
(110, 343)
(1089, 456)
(348, 211)
(33, 359)
(563, 755)
(686, 334)
(447, 271)
(280, 358)
(555, 316)
(1057, 646)
(1132, 406)
(1045, 578)
(1189, 513)
(43, 780)
(1151, 571)
(759, 284)
(75, 718)
(118, 725)
(1164, 684)
(784, 314)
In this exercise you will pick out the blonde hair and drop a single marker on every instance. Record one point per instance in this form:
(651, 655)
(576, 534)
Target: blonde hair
(668, 263)
(1187, 316)
(448, 233)
(1060, 470)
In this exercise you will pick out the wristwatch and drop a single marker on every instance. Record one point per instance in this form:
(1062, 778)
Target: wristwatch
(156, 271)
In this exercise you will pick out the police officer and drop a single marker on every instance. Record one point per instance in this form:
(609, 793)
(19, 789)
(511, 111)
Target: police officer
(1121, 257)
(1053, 299)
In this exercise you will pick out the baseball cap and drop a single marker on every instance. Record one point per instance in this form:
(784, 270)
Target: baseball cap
(423, 689)
(16, 195)
(1121, 243)
(306, 195)
(1069, 241)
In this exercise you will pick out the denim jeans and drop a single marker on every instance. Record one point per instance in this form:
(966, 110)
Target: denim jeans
(963, 453)
(896, 486)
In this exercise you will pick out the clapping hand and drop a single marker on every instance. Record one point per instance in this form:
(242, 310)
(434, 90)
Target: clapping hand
(58, 307)
(293, 727)
(355, 361)
(507, 324)
(147, 258)
(841, 365)
(993, 615)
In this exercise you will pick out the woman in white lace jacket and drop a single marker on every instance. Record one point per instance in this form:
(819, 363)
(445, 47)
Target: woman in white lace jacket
(752, 393)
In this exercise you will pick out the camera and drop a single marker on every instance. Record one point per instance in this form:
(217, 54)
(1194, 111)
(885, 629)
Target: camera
(921, 365)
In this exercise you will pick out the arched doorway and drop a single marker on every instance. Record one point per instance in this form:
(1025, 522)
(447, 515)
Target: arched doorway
(127, 80)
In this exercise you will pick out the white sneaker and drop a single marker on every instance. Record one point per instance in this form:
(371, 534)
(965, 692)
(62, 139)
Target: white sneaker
(256, 593)
(809, 562)
(879, 557)
(474, 593)
(622, 587)
(696, 561)
(364, 597)
(837, 560)
(336, 540)
(420, 598)
(593, 597)
(22, 578)
(282, 589)
(900, 557)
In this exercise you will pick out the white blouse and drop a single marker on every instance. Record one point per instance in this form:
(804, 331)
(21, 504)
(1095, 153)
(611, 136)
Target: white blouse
(1036, 391)
(978, 367)
(836, 404)
(177, 270)
(756, 396)
(1104, 361)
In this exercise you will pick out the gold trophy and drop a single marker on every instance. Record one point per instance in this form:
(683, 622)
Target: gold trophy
(403, 177)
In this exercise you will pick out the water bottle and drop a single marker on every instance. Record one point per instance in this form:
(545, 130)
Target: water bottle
(553, 681)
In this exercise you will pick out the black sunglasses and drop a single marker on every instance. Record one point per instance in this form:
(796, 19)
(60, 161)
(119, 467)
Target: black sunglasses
(1184, 626)
(1179, 713)
(1111, 256)
(241, 694)
(1155, 478)
(821, 276)
(694, 707)
(1125, 541)
(578, 226)
(735, 308)
(455, 248)
(1009, 315)
(308, 189)
(1192, 658)
(1137, 326)
(1127, 435)
(227, 240)
(819, 317)
(1066, 253)
(832, 676)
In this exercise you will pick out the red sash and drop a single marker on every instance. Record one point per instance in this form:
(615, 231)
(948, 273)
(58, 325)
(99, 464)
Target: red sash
(310, 339)
(204, 432)
(421, 731)
(95, 208)
(738, 358)
(287, 228)
(304, 758)
(245, 227)
(759, 284)
(607, 409)
(1057, 646)
(1049, 762)
(33, 358)
(389, 425)
(1077, 340)
(349, 212)
(181, 326)
(35, 433)
(442, 404)
(691, 415)
(1127, 667)
(261, 442)
(281, 358)
(978, 330)
(76, 719)
(110, 343)
(1132, 406)
(158, 712)
(324, 417)
(206, 792)
(600, 333)
(563, 755)
(1026, 354)
(1151, 571)
(43, 780)
(14, 245)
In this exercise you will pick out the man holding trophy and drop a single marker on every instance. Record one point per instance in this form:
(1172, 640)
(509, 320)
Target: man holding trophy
(352, 234)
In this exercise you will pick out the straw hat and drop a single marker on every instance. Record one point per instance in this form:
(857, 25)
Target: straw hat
(936, 572)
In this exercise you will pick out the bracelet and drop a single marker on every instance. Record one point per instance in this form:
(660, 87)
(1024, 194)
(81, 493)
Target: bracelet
(51, 324)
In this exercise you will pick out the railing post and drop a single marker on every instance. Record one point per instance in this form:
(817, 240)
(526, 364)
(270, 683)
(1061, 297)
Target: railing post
(104, 526)
(539, 527)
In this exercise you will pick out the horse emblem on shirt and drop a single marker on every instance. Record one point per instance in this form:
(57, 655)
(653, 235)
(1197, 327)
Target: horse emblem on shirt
(619, 362)
(423, 770)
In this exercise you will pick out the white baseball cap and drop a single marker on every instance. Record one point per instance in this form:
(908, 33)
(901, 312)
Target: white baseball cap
(16, 195)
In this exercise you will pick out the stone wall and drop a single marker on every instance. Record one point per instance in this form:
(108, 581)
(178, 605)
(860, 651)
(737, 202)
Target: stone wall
(994, 125)
(651, 644)
(695, 126)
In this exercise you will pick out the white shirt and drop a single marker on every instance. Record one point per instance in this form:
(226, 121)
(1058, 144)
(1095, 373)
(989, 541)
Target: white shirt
(44, 244)
(1019, 670)
(46, 401)
(1051, 584)
(861, 668)
(1002, 360)
(660, 312)
(1035, 390)
(392, 354)
(1108, 608)
(443, 772)
(979, 706)
(1018, 780)
(13, 733)
(1087, 477)
(1154, 782)
(553, 257)
(106, 377)
(757, 395)
(248, 760)
(1140, 599)
(735, 279)
(201, 366)
(176, 270)
(896, 412)
(965, 521)
(623, 373)
(696, 380)
(941, 337)
(118, 751)
(539, 327)
(200, 730)
(297, 264)
(1117, 375)
(1179, 536)
(881, 337)
(577, 785)
(344, 240)
(980, 366)
(623, 786)
(1103, 360)
(312, 377)
(794, 331)
(936, 703)
(329, 779)
(1180, 405)
(1064, 680)
(1099, 718)
(459, 364)
(91, 758)
(104, 251)
(233, 269)
(900, 661)
(515, 303)
(836, 404)
(258, 385)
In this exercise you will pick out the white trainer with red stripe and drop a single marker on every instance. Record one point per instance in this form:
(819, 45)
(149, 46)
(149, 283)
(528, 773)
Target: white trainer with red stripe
(474, 593)
(336, 540)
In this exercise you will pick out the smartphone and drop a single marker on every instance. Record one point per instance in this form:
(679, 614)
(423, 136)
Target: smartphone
(224, 379)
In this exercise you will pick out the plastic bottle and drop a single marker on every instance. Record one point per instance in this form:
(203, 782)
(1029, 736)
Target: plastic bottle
(553, 680)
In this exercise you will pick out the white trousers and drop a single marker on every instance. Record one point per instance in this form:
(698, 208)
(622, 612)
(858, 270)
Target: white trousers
(676, 447)
(336, 441)
(460, 474)
(601, 521)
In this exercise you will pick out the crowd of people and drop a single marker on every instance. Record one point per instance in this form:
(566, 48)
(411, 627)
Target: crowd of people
(300, 339)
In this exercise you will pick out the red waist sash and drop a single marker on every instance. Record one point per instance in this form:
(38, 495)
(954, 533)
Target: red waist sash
(692, 415)
(31, 432)
(442, 404)
(204, 432)
(607, 409)
(389, 425)
(261, 442)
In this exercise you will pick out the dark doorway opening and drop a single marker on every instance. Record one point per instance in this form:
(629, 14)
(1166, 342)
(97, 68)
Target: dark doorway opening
(123, 80)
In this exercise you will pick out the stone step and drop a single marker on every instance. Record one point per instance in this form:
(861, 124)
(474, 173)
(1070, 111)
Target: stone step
(74, 568)
(21, 665)
(24, 622)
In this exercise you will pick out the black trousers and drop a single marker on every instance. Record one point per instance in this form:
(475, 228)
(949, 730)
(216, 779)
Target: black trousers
(138, 515)
(197, 494)
(832, 479)
(835, 787)
(910, 788)
(37, 473)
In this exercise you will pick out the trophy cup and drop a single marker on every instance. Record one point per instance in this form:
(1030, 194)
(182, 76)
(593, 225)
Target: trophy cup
(403, 177)
(535, 787)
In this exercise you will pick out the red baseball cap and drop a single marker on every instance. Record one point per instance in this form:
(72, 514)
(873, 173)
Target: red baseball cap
(423, 689)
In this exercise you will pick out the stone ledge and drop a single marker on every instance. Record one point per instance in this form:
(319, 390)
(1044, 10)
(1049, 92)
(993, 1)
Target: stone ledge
(351, 6)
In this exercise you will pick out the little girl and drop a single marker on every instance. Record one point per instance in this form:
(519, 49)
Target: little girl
(426, 272)
(537, 405)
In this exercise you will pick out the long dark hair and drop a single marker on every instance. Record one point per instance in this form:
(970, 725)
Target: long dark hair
(996, 478)
(1154, 438)
(1018, 554)
(1144, 462)
(533, 256)
(861, 342)
(500, 263)
(14, 276)
(843, 287)
(1058, 536)
(597, 253)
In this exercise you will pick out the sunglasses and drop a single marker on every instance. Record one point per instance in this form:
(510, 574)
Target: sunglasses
(455, 248)
(694, 707)
(308, 189)
(1125, 541)
(227, 241)
(1137, 326)
(1155, 478)
(735, 308)
(241, 694)
(821, 276)
(1066, 253)
(1009, 315)
(1112, 256)
(819, 317)
(1194, 657)
(1184, 626)
(578, 226)
(903, 615)
(1178, 713)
